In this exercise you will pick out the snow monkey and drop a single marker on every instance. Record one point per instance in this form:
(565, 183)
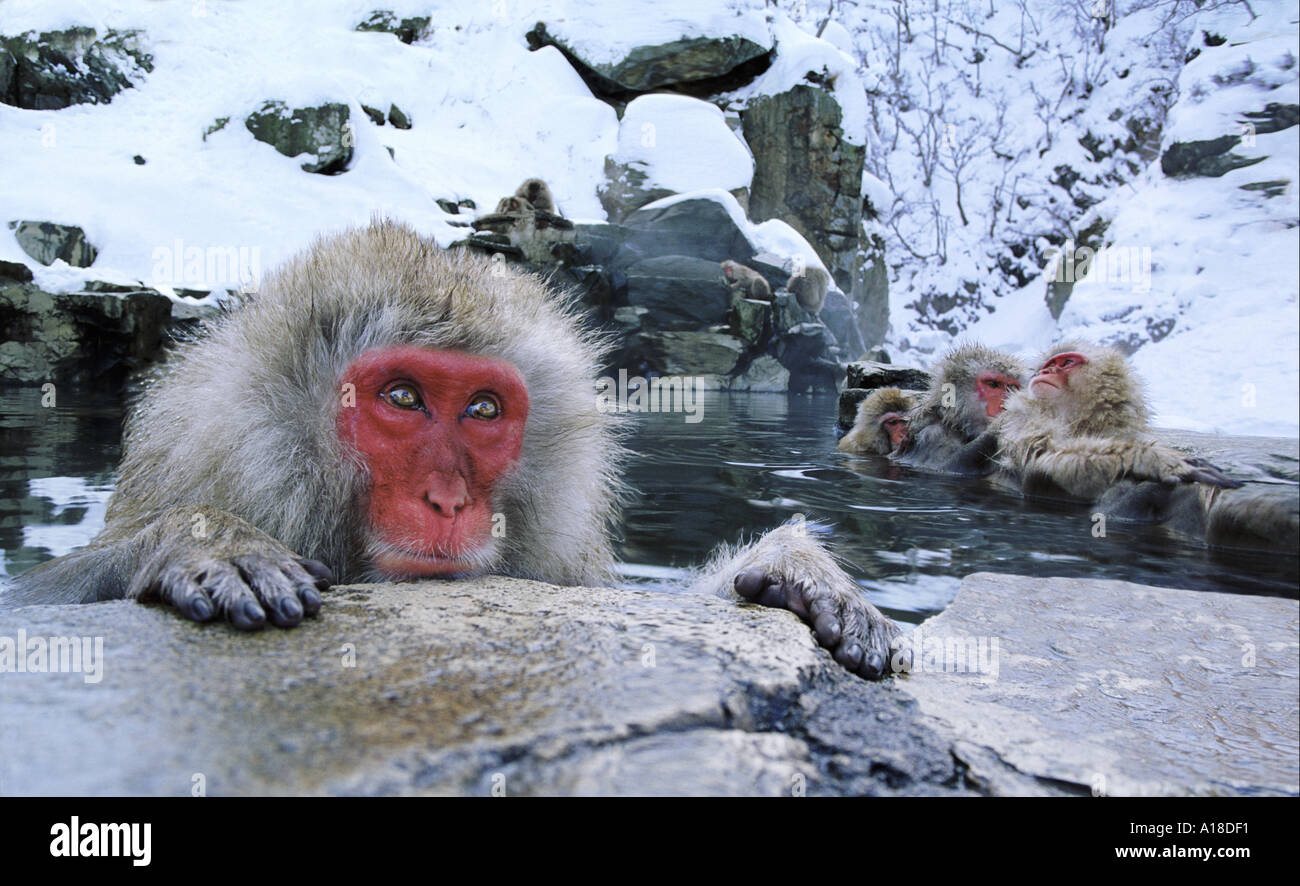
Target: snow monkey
(809, 284)
(747, 280)
(969, 388)
(388, 410)
(538, 195)
(881, 424)
(1081, 431)
(513, 206)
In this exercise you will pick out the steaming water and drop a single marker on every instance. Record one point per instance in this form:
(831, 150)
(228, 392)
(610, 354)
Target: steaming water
(752, 462)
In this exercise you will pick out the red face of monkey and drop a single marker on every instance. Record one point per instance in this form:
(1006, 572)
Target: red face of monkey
(895, 425)
(437, 430)
(992, 389)
(1054, 377)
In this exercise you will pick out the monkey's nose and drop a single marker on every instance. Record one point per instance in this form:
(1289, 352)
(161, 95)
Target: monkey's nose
(448, 496)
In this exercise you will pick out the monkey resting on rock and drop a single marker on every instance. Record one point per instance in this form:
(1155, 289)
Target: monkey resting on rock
(378, 412)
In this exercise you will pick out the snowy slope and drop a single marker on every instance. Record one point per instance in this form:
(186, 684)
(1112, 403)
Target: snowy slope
(487, 113)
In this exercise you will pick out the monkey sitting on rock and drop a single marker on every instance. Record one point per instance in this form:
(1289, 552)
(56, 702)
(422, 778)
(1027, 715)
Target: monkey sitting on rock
(809, 284)
(749, 282)
(389, 410)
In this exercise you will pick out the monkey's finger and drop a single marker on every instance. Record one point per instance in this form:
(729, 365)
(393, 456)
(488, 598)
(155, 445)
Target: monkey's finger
(318, 571)
(749, 583)
(849, 654)
(183, 589)
(826, 623)
(1212, 476)
(226, 584)
(873, 666)
(307, 587)
(273, 589)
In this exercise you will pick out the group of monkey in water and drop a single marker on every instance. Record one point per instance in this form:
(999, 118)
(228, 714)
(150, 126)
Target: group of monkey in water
(386, 409)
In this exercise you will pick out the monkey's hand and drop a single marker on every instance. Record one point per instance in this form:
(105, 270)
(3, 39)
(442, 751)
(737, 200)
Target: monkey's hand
(975, 459)
(787, 569)
(1198, 470)
(206, 563)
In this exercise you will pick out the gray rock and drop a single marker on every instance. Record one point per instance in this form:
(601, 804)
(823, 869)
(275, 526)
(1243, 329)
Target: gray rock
(398, 117)
(700, 227)
(696, 353)
(596, 244)
(625, 188)
(1108, 685)
(79, 337)
(1275, 117)
(408, 30)
(57, 69)
(15, 271)
(376, 116)
(322, 131)
(679, 291)
(837, 313)
(869, 375)
(697, 66)
(1211, 158)
(751, 318)
(808, 175)
(46, 242)
(764, 375)
(806, 350)
(460, 688)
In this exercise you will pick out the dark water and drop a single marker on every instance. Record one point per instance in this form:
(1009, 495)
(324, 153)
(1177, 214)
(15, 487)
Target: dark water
(751, 463)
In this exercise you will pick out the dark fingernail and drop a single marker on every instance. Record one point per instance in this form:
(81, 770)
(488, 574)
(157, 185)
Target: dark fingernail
(873, 666)
(310, 601)
(198, 607)
(828, 630)
(288, 612)
(750, 582)
(248, 616)
(317, 569)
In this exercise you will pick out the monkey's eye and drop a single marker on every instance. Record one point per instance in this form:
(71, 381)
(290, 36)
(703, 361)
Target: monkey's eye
(993, 383)
(483, 406)
(403, 396)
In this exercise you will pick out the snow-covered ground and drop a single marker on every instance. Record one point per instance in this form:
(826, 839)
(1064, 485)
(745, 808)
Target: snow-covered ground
(488, 113)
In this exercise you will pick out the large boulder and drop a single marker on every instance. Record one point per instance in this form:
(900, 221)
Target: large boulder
(672, 144)
(1210, 158)
(79, 337)
(56, 69)
(678, 292)
(467, 687)
(698, 66)
(408, 30)
(323, 132)
(703, 226)
(1112, 688)
(807, 174)
(48, 242)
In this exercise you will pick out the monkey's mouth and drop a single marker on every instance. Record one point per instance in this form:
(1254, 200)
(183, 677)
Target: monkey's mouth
(396, 564)
(1048, 380)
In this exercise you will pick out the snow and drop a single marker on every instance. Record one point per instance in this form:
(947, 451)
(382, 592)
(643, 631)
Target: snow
(683, 144)
(799, 53)
(1214, 319)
